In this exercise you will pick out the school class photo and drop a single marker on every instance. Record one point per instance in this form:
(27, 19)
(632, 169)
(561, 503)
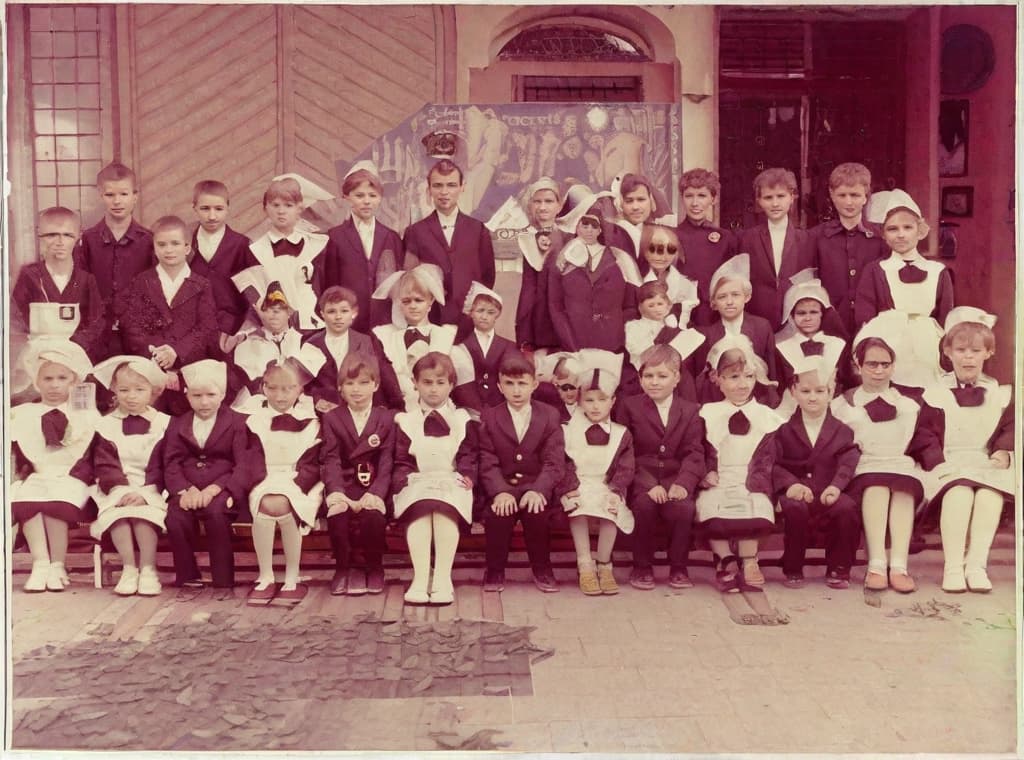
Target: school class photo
(682, 325)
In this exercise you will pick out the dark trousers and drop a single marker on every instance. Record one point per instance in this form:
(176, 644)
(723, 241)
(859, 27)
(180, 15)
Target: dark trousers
(182, 531)
(369, 525)
(841, 523)
(677, 515)
(536, 532)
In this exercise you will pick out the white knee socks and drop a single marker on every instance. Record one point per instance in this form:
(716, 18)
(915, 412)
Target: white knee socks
(875, 510)
(419, 535)
(988, 506)
(579, 527)
(446, 541)
(901, 525)
(263, 528)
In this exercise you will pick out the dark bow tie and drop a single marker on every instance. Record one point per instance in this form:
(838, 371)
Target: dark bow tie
(55, 425)
(666, 335)
(598, 436)
(134, 424)
(412, 335)
(812, 347)
(969, 395)
(435, 426)
(911, 274)
(739, 424)
(880, 410)
(287, 423)
(285, 247)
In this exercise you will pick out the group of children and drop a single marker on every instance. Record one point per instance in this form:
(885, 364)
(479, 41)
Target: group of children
(672, 375)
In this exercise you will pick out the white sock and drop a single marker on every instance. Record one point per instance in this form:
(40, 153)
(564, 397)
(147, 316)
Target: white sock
(875, 511)
(988, 507)
(954, 520)
(579, 527)
(901, 526)
(263, 528)
(419, 535)
(446, 541)
(291, 544)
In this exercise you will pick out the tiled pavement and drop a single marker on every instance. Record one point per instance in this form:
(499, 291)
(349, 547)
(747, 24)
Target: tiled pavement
(661, 671)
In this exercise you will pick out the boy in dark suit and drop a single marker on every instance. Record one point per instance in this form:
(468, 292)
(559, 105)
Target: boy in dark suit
(668, 441)
(205, 455)
(168, 312)
(815, 458)
(843, 247)
(339, 309)
(482, 349)
(456, 242)
(704, 245)
(778, 248)
(218, 254)
(355, 465)
(116, 248)
(361, 252)
(522, 459)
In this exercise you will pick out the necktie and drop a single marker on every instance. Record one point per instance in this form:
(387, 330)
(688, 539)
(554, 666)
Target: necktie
(54, 424)
(666, 335)
(739, 424)
(134, 424)
(287, 423)
(911, 274)
(435, 426)
(285, 247)
(812, 347)
(597, 436)
(412, 335)
(969, 395)
(880, 410)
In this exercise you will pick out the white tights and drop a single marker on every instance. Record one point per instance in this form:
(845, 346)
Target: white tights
(47, 538)
(263, 529)
(882, 508)
(746, 548)
(967, 510)
(579, 527)
(441, 531)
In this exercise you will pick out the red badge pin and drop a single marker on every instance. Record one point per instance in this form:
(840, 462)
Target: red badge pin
(374, 440)
(714, 237)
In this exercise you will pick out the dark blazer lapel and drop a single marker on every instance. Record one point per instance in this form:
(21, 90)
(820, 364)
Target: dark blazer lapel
(801, 431)
(789, 251)
(220, 426)
(362, 441)
(187, 433)
(828, 431)
(434, 223)
(377, 249)
(765, 238)
(189, 289)
(675, 414)
(351, 235)
(348, 425)
(359, 343)
(473, 347)
(156, 292)
(532, 438)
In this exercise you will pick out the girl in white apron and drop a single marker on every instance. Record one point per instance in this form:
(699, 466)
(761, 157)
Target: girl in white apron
(735, 507)
(977, 477)
(133, 510)
(432, 480)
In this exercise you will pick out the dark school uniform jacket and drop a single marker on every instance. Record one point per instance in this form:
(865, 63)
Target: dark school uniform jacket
(590, 309)
(770, 287)
(616, 236)
(228, 260)
(469, 257)
(705, 248)
(533, 319)
(344, 263)
(508, 465)
(345, 456)
(483, 391)
(188, 325)
(225, 458)
(115, 263)
(829, 461)
(841, 256)
(874, 295)
(35, 285)
(325, 384)
(665, 455)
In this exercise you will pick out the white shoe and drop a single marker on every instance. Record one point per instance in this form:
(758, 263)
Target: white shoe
(953, 581)
(37, 579)
(149, 582)
(978, 581)
(128, 583)
(57, 577)
(417, 596)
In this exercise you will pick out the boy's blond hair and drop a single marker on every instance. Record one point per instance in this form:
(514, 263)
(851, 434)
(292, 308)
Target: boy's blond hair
(850, 174)
(115, 171)
(58, 214)
(287, 189)
(165, 223)
(210, 187)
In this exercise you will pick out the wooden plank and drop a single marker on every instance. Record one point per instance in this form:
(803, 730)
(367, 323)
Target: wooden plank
(492, 606)
(393, 602)
(130, 622)
(468, 601)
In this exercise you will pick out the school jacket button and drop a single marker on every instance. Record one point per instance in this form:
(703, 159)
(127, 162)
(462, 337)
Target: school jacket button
(661, 449)
(853, 272)
(487, 376)
(519, 457)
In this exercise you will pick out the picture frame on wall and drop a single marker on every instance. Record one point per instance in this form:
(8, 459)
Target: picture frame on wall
(958, 201)
(954, 129)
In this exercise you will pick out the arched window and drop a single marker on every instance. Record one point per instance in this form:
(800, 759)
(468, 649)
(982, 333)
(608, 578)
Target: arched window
(562, 42)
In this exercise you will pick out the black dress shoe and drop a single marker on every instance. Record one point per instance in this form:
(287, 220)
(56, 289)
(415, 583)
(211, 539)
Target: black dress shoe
(545, 581)
(375, 580)
(339, 583)
(494, 580)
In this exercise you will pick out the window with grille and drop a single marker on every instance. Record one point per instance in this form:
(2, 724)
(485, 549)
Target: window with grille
(65, 66)
(570, 43)
(580, 89)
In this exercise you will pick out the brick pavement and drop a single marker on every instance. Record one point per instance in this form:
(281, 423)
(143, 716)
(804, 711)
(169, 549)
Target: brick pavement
(666, 671)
